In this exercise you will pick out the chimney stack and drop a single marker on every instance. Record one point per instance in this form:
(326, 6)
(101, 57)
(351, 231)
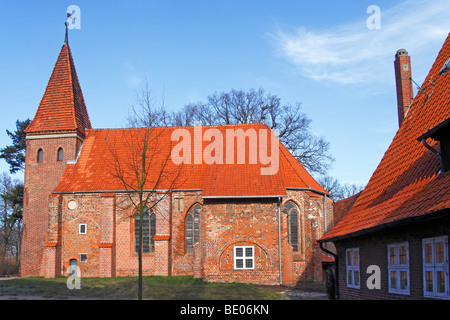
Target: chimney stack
(403, 81)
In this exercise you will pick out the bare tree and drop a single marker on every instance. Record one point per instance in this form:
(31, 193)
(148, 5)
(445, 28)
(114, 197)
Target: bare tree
(337, 190)
(145, 112)
(239, 107)
(142, 162)
(257, 106)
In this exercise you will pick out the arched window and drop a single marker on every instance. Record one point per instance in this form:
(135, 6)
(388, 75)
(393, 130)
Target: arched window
(145, 231)
(60, 154)
(192, 232)
(292, 224)
(40, 155)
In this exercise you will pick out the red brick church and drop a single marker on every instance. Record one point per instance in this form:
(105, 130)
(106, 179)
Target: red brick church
(219, 222)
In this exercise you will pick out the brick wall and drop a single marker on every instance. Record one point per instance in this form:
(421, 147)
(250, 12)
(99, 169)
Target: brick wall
(39, 180)
(224, 224)
(183, 262)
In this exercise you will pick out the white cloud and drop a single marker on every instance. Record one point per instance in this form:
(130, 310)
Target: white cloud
(352, 53)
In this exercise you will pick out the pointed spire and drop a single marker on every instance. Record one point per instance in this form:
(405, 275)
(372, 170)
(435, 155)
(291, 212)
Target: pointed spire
(66, 40)
(62, 108)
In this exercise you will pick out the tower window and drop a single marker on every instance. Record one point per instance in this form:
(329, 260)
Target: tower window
(60, 154)
(40, 155)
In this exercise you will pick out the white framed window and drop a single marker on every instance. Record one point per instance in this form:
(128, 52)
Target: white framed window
(398, 267)
(244, 257)
(82, 229)
(83, 257)
(352, 262)
(435, 267)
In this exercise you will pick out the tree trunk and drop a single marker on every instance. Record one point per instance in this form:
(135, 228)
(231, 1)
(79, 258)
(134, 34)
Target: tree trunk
(141, 224)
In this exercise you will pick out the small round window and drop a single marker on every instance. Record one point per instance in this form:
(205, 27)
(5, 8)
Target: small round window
(72, 205)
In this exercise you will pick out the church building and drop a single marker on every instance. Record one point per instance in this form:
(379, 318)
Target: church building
(214, 219)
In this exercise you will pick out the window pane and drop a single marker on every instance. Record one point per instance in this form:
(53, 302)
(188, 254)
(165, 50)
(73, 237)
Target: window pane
(429, 281)
(189, 233)
(293, 219)
(145, 233)
(440, 252)
(440, 281)
(249, 263)
(196, 219)
(239, 252)
(393, 255)
(288, 207)
(356, 258)
(349, 258)
(152, 231)
(403, 255)
(349, 277)
(136, 233)
(356, 277)
(239, 263)
(249, 252)
(428, 253)
(393, 282)
(403, 280)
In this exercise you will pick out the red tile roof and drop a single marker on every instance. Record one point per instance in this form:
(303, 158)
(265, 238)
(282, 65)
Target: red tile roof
(342, 207)
(407, 182)
(62, 108)
(95, 167)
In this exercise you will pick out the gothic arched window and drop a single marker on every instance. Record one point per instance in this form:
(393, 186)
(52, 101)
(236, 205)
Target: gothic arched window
(292, 224)
(192, 232)
(148, 231)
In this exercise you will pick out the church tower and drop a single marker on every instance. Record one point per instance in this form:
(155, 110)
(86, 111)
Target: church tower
(53, 138)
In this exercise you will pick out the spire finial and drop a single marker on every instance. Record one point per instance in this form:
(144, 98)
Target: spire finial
(66, 40)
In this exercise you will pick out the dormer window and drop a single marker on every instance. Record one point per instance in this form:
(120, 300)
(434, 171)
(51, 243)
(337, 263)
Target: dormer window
(440, 133)
(40, 155)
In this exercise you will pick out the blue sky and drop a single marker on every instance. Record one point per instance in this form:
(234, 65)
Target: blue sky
(319, 53)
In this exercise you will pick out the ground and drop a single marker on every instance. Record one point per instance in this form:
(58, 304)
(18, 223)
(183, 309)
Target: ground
(12, 288)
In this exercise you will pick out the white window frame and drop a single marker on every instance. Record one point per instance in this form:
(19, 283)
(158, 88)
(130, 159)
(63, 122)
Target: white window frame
(244, 258)
(83, 260)
(351, 267)
(85, 228)
(398, 267)
(435, 267)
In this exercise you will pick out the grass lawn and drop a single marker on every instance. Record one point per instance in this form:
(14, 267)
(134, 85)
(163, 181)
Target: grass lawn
(158, 288)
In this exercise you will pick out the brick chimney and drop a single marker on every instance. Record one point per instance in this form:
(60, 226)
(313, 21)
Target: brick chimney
(403, 81)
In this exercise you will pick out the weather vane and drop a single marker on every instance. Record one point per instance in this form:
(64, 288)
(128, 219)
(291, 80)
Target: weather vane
(73, 20)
